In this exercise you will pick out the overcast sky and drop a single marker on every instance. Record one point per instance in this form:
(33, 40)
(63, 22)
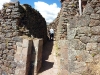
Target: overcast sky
(48, 8)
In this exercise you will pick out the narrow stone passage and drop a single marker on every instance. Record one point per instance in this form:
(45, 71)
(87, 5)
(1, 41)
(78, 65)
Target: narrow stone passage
(49, 64)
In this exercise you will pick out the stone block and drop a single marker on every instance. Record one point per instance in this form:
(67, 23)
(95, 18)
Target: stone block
(14, 13)
(98, 12)
(11, 71)
(26, 58)
(83, 21)
(8, 10)
(83, 56)
(1, 62)
(79, 67)
(19, 50)
(91, 46)
(15, 33)
(25, 51)
(13, 65)
(17, 71)
(11, 52)
(95, 30)
(15, 9)
(17, 57)
(19, 44)
(95, 16)
(94, 22)
(71, 33)
(22, 72)
(77, 44)
(88, 9)
(16, 4)
(4, 73)
(4, 56)
(10, 58)
(95, 38)
(25, 43)
(85, 39)
(83, 30)
(97, 58)
(8, 35)
(75, 67)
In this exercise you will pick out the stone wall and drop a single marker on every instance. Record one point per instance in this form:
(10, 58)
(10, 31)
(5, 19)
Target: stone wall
(32, 23)
(28, 56)
(18, 20)
(83, 38)
(8, 38)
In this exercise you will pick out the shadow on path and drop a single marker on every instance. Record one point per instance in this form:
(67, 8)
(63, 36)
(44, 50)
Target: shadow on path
(46, 64)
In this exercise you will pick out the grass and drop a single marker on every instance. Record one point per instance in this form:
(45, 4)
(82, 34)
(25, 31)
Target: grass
(57, 50)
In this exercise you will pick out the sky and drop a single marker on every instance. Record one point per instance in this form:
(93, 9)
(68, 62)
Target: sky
(48, 8)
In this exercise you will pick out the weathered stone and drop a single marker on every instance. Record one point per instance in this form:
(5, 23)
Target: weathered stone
(16, 4)
(10, 44)
(5, 51)
(1, 62)
(15, 33)
(11, 71)
(8, 10)
(74, 67)
(4, 56)
(94, 23)
(14, 13)
(19, 50)
(77, 44)
(83, 30)
(97, 58)
(25, 43)
(13, 65)
(7, 64)
(14, 47)
(8, 23)
(85, 39)
(83, 21)
(11, 52)
(15, 9)
(88, 9)
(98, 12)
(19, 44)
(4, 45)
(71, 33)
(95, 38)
(4, 73)
(95, 30)
(17, 39)
(8, 35)
(1, 51)
(91, 46)
(95, 16)
(10, 58)
(10, 47)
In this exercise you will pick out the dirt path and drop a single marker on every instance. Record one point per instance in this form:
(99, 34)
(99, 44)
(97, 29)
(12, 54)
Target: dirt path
(49, 64)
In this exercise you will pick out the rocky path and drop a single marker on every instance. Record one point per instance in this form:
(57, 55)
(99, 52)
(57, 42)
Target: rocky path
(49, 64)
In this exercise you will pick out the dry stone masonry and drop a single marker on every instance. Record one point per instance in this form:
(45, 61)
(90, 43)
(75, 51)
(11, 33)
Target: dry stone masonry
(15, 52)
(80, 54)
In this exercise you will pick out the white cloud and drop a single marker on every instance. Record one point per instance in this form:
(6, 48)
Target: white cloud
(49, 12)
(2, 2)
(5, 1)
